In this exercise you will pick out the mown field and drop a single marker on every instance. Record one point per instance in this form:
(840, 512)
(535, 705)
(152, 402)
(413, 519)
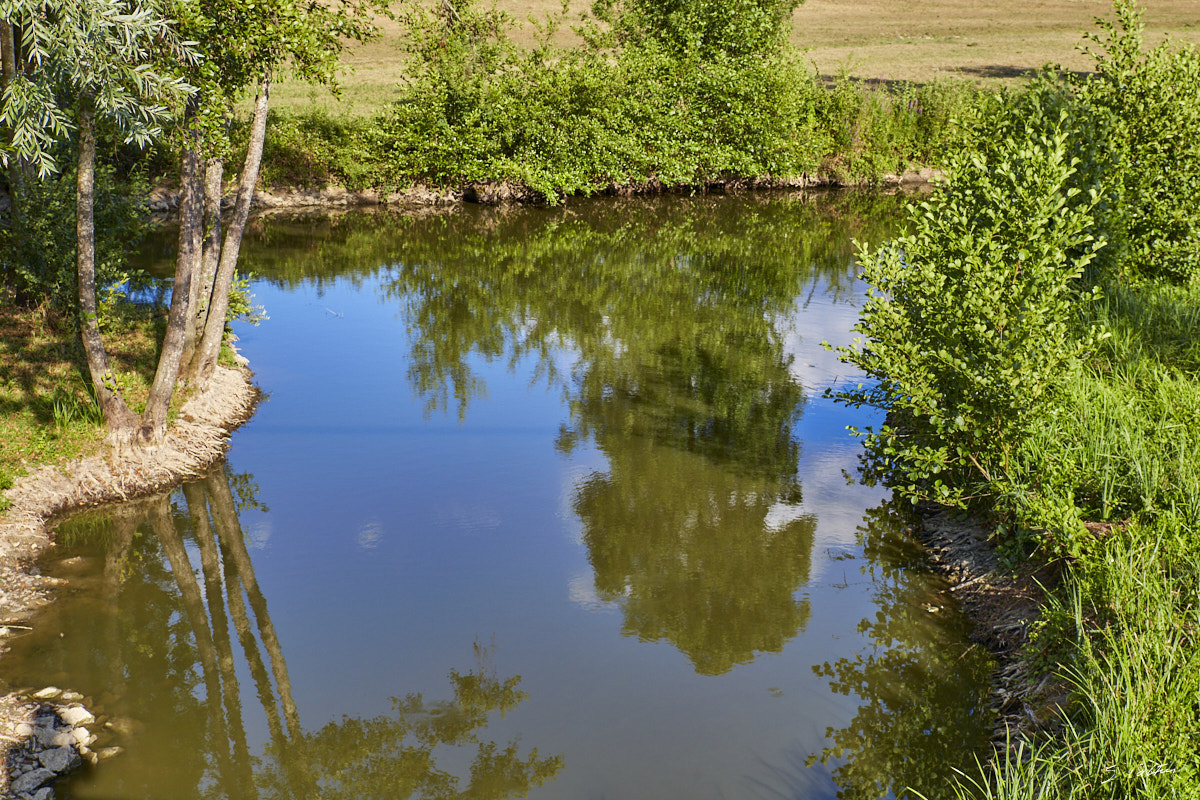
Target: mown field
(985, 41)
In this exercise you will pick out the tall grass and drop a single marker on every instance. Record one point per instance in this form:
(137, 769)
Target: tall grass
(1133, 729)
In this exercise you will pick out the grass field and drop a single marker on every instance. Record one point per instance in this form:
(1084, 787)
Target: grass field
(987, 41)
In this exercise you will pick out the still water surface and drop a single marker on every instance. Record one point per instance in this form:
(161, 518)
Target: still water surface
(543, 501)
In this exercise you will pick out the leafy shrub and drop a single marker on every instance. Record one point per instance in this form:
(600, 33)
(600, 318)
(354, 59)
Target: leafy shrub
(315, 149)
(705, 29)
(576, 120)
(1137, 134)
(38, 257)
(969, 325)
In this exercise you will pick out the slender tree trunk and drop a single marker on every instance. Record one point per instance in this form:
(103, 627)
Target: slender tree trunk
(8, 67)
(202, 286)
(193, 607)
(225, 516)
(191, 232)
(233, 541)
(214, 179)
(116, 569)
(241, 620)
(119, 420)
(214, 328)
(241, 623)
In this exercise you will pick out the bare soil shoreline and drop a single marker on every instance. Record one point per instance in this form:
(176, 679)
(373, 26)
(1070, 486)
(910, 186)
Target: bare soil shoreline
(164, 200)
(1002, 605)
(197, 439)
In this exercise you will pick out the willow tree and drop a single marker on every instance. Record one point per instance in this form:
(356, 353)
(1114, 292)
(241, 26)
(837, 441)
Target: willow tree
(70, 65)
(85, 63)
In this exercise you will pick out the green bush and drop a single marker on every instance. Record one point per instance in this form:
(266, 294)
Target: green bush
(638, 103)
(1141, 113)
(38, 256)
(316, 149)
(704, 29)
(970, 322)
(576, 120)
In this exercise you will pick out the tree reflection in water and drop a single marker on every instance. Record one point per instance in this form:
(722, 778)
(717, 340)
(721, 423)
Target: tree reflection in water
(172, 664)
(913, 727)
(663, 330)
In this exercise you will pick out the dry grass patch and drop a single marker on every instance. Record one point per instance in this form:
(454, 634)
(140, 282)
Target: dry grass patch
(989, 41)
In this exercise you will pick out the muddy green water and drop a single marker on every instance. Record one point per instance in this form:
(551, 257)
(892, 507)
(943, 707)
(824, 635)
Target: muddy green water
(540, 501)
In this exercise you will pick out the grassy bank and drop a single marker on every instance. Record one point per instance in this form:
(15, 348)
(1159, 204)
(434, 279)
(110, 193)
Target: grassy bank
(1123, 631)
(47, 412)
(1034, 337)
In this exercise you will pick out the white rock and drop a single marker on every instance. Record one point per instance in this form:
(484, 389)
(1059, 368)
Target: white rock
(123, 725)
(23, 729)
(71, 697)
(47, 693)
(82, 736)
(31, 780)
(76, 715)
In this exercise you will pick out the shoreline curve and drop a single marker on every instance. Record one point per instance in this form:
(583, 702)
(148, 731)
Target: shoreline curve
(196, 439)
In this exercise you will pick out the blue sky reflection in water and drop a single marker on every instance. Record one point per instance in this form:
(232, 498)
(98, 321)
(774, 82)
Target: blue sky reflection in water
(541, 499)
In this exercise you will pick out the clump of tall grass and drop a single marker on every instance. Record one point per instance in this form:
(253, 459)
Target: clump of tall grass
(1132, 728)
(867, 131)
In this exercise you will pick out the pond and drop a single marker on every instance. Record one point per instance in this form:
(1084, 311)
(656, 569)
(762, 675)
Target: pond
(545, 502)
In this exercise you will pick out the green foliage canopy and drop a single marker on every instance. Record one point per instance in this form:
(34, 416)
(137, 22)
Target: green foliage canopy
(100, 52)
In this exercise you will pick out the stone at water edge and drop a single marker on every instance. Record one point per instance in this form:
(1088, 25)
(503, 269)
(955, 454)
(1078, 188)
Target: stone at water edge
(56, 759)
(49, 737)
(47, 693)
(76, 715)
(109, 752)
(123, 726)
(31, 780)
(71, 697)
(44, 793)
(82, 736)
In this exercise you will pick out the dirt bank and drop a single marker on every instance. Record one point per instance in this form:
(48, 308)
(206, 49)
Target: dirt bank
(165, 201)
(1003, 605)
(197, 439)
